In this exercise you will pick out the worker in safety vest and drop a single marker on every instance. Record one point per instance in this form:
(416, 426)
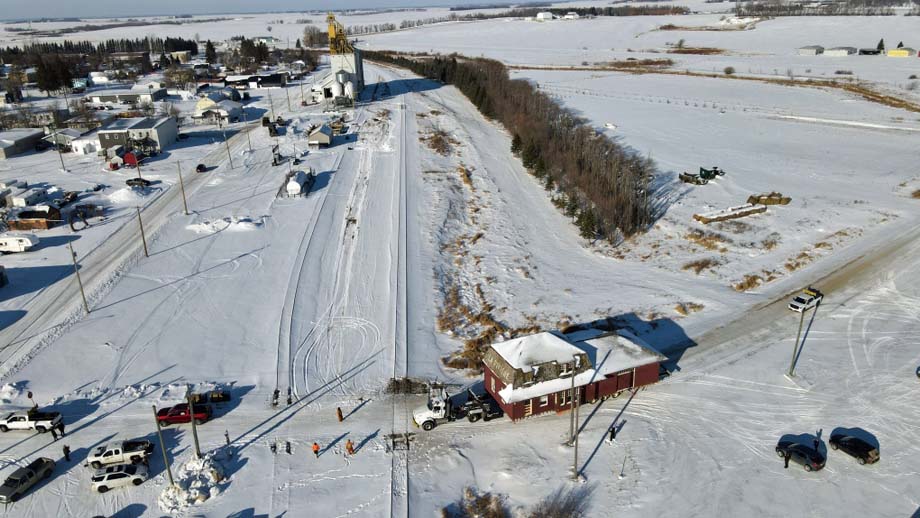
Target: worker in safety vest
(316, 450)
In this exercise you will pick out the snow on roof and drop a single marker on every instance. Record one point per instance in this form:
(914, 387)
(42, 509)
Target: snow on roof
(616, 352)
(230, 105)
(121, 124)
(12, 135)
(526, 351)
(608, 353)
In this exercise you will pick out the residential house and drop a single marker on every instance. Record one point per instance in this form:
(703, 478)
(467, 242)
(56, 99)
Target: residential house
(128, 96)
(811, 50)
(840, 51)
(143, 133)
(321, 136)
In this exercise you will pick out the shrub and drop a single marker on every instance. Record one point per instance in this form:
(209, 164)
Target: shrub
(701, 264)
(844, 72)
(729, 71)
(476, 505)
(912, 76)
(748, 283)
(915, 195)
(564, 503)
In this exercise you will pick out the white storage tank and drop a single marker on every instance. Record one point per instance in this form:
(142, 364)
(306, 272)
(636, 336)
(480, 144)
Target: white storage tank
(350, 90)
(337, 89)
(300, 183)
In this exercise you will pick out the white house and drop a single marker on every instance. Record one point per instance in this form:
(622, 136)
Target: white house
(86, 144)
(571, 16)
(544, 16)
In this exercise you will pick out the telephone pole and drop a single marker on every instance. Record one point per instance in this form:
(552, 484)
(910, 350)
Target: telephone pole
(191, 413)
(572, 408)
(143, 237)
(288, 94)
(227, 143)
(271, 104)
(575, 462)
(246, 124)
(163, 447)
(76, 270)
(182, 188)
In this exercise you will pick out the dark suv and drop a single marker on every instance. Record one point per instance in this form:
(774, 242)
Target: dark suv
(802, 454)
(864, 452)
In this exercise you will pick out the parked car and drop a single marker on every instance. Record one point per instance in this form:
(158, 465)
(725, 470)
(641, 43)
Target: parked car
(137, 182)
(23, 478)
(118, 476)
(41, 422)
(200, 168)
(179, 414)
(864, 452)
(806, 300)
(808, 457)
(121, 452)
(213, 397)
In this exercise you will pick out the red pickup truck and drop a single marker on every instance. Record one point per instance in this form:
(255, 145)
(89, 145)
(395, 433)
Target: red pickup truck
(179, 414)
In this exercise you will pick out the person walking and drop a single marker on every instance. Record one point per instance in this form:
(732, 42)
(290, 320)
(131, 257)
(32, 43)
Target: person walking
(54, 432)
(613, 433)
(338, 414)
(61, 428)
(786, 458)
(67, 453)
(350, 447)
(316, 450)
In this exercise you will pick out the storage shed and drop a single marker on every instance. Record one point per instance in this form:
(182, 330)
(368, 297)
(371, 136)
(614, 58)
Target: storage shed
(903, 52)
(16, 141)
(321, 136)
(840, 51)
(811, 50)
(534, 374)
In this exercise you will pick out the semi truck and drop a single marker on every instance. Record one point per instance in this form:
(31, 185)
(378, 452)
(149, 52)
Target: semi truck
(442, 408)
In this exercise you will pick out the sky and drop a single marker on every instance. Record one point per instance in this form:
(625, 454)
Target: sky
(31, 9)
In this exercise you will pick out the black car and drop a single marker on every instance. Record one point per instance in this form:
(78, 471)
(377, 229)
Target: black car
(808, 457)
(864, 452)
(137, 182)
(200, 168)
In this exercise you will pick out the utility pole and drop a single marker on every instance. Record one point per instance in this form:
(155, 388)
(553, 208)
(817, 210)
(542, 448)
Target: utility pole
(288, 94)
(143, 237)
(182, 188)
(138, 164)
(798, 335)
(271, 104)
(163, 447)
(246, 123)
(76, 270)
(191, 413)
(227, 143)
(572, 407)
(302, 100)
(575, 462)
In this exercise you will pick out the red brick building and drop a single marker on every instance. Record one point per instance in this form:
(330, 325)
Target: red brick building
(532, 375)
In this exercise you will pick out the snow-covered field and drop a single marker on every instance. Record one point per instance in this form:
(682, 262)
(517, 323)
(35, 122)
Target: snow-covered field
(330, 295)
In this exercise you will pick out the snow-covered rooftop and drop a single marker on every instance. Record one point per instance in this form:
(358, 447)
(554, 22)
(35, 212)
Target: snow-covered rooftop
(526, 351)
(616, 352)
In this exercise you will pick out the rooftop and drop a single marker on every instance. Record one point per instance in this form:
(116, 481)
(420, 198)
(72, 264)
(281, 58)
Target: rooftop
(530, 350)
(11, 135)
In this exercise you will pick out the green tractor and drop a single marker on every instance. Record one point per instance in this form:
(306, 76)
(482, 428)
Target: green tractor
(710, 174)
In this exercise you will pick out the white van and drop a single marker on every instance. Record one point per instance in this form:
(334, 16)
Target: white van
(10, 243)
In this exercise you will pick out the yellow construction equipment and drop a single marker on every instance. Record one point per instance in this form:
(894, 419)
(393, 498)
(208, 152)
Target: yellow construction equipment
(338, 41)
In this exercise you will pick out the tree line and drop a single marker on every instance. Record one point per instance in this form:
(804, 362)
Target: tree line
(600, 183)
(28, 55)
(844, 8)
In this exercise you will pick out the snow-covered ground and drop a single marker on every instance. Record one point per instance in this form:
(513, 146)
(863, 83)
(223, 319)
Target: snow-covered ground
(332, 294)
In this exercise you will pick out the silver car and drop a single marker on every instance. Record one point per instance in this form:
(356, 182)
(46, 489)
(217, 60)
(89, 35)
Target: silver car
(23, 478)
(119, 475)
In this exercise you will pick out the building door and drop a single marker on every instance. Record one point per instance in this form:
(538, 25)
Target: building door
(563, 399)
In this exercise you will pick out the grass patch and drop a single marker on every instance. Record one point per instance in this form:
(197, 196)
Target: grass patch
(708, 240)
(749, 282)
(701, 264)
(439, 141)
(770, 243)
(915, 195)
(700, 51)
(466, 175)
(685, 308)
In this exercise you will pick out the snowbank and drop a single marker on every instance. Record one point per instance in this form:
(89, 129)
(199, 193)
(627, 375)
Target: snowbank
(231, 224)
(197, 480)
(126, 196)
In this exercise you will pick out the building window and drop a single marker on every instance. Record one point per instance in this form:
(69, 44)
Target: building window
(566, 369)
(562, 398)
(492, 380)
(544, 400)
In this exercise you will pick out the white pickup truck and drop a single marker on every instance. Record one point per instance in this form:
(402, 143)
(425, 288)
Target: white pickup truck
(121, 452)
(41, 422)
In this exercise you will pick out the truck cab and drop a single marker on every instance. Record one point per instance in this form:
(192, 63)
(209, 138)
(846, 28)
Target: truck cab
(441, 408)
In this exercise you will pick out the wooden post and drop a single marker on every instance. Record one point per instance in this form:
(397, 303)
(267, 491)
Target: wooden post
(288, 94)
(191, 414)
(76, 270)
(182, 187)
(572, 407)
(143, 237)
(271, 104)
(575, 462)
(163, 447)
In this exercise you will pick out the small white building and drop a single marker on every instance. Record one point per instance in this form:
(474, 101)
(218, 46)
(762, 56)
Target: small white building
(544, 16)
(86, 144)
(321, 136)
(840, 51)
(571, 16)
(29, 197)
(811, 50)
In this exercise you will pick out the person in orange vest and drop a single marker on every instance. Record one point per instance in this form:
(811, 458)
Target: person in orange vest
(350, 447)
(316, 450)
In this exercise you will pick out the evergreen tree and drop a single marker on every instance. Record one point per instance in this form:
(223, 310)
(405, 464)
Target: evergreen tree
(297, 44)
(516, 144)
(881, 45)
(900, 44)
(587, 224)
(210, 53)
(45, 77)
